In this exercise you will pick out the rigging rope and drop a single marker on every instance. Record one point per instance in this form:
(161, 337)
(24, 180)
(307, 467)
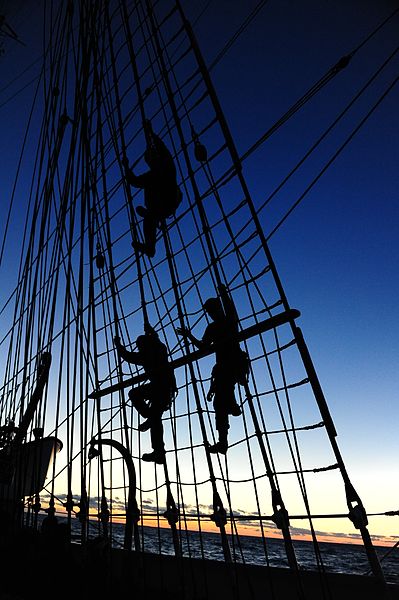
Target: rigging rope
(86, 204)
(335, 155)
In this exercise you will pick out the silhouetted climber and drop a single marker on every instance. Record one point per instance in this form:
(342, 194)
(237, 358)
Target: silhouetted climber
(162, 195)
(231, 362)
(151, 399)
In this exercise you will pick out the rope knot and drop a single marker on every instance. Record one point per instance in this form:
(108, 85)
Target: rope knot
(358, 516)
(172, 515)
(280, 518)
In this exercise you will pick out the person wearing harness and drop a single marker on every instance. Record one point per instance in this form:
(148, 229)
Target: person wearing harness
(151, 399)
(162, 195)
(231, 362)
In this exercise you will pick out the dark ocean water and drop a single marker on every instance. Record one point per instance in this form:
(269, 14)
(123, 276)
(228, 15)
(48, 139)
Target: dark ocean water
(337, 558)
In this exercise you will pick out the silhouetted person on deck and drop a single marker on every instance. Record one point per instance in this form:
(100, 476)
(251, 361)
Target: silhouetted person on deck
(151, 399)
(221, 336)
(162, 195)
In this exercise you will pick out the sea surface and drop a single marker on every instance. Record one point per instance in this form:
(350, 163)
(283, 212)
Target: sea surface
(337, 558)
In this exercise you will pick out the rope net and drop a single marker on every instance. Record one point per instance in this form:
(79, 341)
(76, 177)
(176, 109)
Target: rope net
(110, 69)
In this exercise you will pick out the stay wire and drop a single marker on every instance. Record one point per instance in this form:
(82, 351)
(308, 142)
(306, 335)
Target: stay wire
(230, 43)
(334, 157)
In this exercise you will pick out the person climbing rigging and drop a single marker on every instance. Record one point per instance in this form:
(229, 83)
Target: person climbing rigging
(151, 399)
(162, 195)
(231, 362)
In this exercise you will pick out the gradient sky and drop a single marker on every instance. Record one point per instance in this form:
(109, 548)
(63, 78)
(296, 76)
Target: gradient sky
(338, 253)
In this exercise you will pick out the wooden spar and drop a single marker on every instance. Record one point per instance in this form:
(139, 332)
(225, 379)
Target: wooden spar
(245, 334)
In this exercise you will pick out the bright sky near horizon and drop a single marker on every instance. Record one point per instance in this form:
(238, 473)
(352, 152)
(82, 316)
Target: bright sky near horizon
(337, 254)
